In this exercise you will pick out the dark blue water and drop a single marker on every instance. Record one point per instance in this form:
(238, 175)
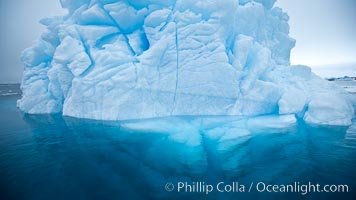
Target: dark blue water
(54, 157)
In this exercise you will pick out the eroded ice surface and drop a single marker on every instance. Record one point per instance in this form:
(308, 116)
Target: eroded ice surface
(116, 60)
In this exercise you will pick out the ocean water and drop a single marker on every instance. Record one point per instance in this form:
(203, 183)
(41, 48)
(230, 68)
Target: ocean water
(54, 157)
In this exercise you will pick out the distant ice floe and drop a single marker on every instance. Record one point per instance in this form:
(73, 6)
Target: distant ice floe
(9, 90)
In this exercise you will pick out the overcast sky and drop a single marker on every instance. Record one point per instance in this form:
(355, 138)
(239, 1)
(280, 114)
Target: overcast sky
(19, 28)
(325, 31)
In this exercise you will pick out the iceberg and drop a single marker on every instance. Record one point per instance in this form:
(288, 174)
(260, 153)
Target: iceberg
(136, 59)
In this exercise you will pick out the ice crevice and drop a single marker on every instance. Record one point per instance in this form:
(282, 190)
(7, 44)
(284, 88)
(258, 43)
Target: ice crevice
(177, 66)
(87, 51)
(119, 28)
(169, 18)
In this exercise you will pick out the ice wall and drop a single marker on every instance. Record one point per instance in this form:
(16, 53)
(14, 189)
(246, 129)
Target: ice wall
(133, 59)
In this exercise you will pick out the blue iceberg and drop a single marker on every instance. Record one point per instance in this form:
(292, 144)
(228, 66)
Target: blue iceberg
(135, 59)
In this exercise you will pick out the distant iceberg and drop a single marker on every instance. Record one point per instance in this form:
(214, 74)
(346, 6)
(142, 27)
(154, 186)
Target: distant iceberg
(135, 59)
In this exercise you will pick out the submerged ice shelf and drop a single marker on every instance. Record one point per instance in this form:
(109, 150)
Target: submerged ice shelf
(118, 60)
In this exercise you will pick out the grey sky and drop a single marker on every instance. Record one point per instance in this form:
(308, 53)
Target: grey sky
(19, 28)
(325, 31)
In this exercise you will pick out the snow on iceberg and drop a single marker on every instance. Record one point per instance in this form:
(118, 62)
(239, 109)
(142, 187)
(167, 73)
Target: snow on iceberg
(117, 60)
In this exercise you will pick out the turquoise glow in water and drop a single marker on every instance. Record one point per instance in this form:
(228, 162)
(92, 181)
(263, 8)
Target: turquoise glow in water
(52, 157)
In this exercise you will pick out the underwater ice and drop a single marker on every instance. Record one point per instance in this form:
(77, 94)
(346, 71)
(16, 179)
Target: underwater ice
(135, 59)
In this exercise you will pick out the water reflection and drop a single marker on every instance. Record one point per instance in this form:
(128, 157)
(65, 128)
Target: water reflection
(87, 159)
